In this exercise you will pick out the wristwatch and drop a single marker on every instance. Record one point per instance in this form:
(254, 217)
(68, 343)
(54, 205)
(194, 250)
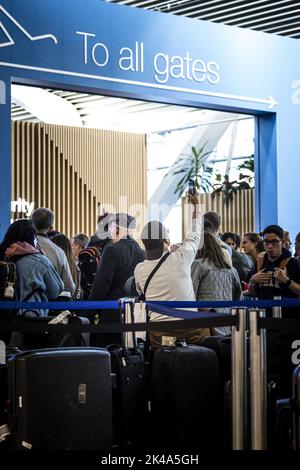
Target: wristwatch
(287, 284)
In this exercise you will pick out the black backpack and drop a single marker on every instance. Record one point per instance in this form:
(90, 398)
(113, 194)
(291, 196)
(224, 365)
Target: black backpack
(8, 277)
(88, 261)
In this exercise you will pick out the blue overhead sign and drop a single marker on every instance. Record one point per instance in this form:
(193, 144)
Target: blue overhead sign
(101, 47)
(95, 44)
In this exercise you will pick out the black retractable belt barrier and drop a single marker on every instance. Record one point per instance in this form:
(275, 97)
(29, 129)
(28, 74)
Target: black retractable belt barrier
(117, 328)
(28, 340)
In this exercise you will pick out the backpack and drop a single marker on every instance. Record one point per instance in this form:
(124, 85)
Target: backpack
(88, 261)
(8, 277)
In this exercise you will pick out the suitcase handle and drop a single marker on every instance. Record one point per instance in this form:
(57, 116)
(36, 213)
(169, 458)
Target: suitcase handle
(123, 303)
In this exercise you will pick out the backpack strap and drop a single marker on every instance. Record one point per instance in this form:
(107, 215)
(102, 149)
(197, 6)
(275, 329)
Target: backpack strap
(153, 272)
(92, 252)
(284, 262)
(31, 294)
(260, 260)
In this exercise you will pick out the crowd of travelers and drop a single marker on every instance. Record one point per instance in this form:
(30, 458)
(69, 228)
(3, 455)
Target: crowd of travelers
(207, 265)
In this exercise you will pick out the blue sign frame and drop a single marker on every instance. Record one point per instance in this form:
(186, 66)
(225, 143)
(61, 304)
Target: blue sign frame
(92, 46)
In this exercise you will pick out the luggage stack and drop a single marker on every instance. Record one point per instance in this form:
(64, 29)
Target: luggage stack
(61, 399)
(83, 398)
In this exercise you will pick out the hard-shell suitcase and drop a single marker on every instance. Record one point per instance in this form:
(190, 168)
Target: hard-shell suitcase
(129, 397)
(222, 347)
(61, 399)
(186, 398)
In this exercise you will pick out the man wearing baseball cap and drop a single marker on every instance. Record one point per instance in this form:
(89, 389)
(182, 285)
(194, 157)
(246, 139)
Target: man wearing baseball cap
(117, 264)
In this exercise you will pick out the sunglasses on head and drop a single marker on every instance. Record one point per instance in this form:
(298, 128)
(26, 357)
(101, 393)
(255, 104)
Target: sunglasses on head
(273, 241)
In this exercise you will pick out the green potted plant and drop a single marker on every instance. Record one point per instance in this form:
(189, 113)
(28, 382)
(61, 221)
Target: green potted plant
(229, 188)
(193, 166)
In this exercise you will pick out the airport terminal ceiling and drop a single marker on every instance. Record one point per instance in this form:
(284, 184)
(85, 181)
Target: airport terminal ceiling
(170, 132)
(274, 17)
(161, 123)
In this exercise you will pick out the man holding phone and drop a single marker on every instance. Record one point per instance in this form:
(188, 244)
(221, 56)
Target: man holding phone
(277, 273)
(172, 281)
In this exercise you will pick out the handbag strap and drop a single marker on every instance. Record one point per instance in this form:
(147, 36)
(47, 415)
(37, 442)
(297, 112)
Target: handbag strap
(154, 271)
(31, 294)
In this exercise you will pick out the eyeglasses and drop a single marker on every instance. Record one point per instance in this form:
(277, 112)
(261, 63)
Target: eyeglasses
(273, 242)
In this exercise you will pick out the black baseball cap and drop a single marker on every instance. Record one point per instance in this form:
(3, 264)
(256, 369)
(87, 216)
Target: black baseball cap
(123, 220)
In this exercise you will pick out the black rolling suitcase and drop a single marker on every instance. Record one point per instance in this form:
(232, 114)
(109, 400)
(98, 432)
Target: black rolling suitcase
(130, 403)
(222, 347)
(61, 399)
(288, 417)
(186, 398)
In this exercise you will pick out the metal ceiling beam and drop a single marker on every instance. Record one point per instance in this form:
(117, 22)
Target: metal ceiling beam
(286, 31)
(199, 6)
(296, 35)
(250, 10)
(223, 9)
(282, 22)
(249, 24)
(258, 15)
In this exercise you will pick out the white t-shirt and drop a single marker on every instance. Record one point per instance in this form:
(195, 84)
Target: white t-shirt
(172, 281)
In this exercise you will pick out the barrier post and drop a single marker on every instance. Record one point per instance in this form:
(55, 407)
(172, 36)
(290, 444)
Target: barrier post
(239, 380)
(276, 311)
(125, 305)
(258, 379)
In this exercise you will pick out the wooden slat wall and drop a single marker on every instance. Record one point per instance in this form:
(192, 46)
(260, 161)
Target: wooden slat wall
(79, 172)
(237, 216)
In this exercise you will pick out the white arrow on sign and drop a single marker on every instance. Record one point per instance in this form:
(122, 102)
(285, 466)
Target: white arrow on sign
(270, 101)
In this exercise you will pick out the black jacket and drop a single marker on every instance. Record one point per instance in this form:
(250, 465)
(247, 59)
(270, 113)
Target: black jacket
(117, 264)
(98, 243)
(242, 263)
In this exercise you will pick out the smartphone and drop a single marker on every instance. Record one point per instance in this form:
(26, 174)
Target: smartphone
(192, 189)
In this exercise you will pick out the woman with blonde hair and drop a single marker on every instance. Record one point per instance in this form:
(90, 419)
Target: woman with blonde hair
(252, 245)
(213, 277)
